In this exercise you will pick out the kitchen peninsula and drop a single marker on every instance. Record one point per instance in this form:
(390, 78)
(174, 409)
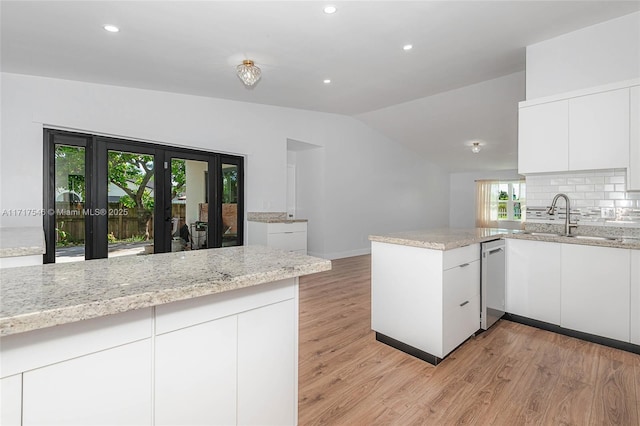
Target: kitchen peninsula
(207, 336)
(426, 286)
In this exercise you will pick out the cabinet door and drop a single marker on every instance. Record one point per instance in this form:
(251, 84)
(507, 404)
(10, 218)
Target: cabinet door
(599, 131)
(633, 182)
(196, 374)
(111, 387)
(635, 297)
(533, 280)
(543, 138)
(11, 400)
(595, 290)
(268, 365)
(461, 304)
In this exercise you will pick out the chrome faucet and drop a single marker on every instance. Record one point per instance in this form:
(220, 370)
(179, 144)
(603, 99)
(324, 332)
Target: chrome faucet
(567, 220)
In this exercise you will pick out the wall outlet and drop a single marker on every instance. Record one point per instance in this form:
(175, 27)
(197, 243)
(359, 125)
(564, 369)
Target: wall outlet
(608, 213)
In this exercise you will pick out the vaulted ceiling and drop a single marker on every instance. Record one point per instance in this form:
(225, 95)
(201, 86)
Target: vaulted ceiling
(192, 47)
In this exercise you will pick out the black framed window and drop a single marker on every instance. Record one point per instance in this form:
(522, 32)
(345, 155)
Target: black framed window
(110, 197)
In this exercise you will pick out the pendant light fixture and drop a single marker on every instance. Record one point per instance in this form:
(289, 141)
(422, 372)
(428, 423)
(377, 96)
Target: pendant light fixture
(248, 72)
(475, 147)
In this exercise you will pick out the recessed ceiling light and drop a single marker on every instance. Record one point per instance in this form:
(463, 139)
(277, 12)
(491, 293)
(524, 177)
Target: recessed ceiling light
(111, 28)
(407, 46)
(330, 9)
(326, 81)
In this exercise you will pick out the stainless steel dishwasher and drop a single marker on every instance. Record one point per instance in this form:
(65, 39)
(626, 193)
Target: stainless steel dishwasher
(492, 283)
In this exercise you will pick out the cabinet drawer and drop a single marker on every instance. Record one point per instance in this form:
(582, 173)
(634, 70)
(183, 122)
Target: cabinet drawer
(459, 256)
(276, 228)
(288, 241)
(461, 284)
(460, 322)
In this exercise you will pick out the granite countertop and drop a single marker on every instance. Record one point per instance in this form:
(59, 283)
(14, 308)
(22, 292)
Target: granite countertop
(451, 238)
(271, 217)
(23, 241)
(34, 297)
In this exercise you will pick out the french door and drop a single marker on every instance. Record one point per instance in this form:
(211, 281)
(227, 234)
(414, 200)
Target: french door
(109, 197)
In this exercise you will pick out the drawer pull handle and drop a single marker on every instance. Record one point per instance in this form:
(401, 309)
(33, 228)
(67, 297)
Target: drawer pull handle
(464, 303)
(464, 265)
(288, 232)
(495, 250)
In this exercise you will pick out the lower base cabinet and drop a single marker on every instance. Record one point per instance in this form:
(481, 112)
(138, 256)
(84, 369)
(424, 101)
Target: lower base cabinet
(11, 400)
(533, 280)
(595, 290)
(635, 297)
(111, 387)
(196, 374)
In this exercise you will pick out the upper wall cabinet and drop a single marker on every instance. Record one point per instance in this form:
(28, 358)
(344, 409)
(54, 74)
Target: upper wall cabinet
(543, 133)
(599, 131)
(582, 131)
(633, 179)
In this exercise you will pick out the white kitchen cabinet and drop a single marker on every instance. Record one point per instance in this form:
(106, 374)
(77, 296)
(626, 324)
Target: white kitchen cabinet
(534, 280)
(461, 304)
(427, 299)
(635, 297)
(595, 290)
(633, 178)
(599, 131)
(290, 236)
(11, 400)
(543, 138)
(267, 365)
(188, 362)
(108, 387)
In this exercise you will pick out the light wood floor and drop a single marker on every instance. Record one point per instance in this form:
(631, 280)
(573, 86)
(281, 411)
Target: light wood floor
(509, 375)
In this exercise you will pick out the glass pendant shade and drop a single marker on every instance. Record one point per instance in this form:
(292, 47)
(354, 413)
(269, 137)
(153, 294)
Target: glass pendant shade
(248, 72)
(475, 148)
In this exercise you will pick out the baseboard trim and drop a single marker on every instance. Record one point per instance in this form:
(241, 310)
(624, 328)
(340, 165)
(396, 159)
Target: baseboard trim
(408, 349)
(612, 343)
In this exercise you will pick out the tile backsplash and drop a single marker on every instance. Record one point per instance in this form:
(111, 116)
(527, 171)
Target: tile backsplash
(597, 197)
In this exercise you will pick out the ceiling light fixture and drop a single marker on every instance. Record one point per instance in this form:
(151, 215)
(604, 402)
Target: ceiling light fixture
(111, 28)
(407, 46)
(326, 81)
(475, 147)
(248, 72)
(330, 9)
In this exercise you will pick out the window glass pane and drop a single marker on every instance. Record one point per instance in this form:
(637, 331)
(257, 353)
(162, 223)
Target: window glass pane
(230, 205)
(131, 203)
(503, 196)
(70, 191)
(189, 206)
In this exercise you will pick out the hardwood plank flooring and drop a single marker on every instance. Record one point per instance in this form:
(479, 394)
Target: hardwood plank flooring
(511, 374)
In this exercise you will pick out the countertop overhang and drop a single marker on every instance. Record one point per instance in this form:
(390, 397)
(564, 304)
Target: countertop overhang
(34, 297)
(451, 238)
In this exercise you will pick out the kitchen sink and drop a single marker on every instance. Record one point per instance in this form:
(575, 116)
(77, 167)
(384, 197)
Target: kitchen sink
(592, 237)
(542, 234)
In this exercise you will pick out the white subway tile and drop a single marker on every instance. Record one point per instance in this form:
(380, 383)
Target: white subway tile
(558, 181)
(615, 179)
(584, 203)
(633, 196)
(606, 203)
(594, 195)
(576, 195)
(620, 172)
(594, 179)
(621, 187)
(575, 180)
(624, 203)
(605, 173)
(615, 196)
(584, 188)
(607, 187)
(566, 188)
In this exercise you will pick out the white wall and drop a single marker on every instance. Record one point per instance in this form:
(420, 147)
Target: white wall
(592, 56)
(462, 204)
(362, 182)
